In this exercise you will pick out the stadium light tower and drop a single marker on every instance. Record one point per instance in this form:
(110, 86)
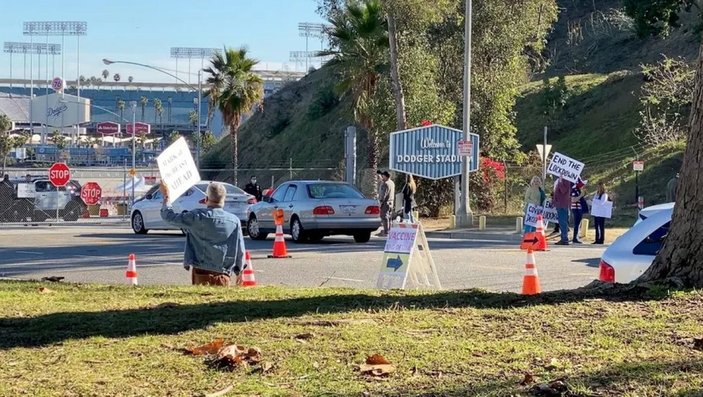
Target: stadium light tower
(13, 47)
(190, 53)
(307, 30)
(63, 29)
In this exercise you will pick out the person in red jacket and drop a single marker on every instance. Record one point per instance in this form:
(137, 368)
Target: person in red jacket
(562, 202)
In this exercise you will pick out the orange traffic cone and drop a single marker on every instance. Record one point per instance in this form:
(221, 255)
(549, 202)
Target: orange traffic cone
(542, 244)
(131, 272)
(248, 279)
(279, 244)
(530, 282)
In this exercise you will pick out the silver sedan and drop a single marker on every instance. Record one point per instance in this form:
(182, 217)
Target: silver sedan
(315, 209)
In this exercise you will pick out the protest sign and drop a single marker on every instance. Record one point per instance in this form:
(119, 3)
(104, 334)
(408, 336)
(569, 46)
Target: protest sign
(549, 213)
(531, 214)
(602, 208)
(177, 169)
(564, 165)
(25, 190)
(407, 261)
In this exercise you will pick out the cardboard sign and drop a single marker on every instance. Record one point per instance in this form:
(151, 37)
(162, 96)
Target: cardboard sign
(602, 208)
(25, 190)
(565, 165)
(549, 213)
(407, 261)
(177, 169)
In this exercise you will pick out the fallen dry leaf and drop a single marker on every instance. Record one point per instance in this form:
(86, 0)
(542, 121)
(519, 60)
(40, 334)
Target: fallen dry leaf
(209, 348)
(44, 290)
(377, 369)
(231, 350)
(377, 359)
(528, 380)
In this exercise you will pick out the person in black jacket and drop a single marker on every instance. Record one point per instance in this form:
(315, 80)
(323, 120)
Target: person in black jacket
(253, 188)
(409, 191)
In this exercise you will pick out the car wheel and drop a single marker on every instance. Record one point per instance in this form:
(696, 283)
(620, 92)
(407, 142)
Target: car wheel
(138, 223)
(72, 212)
(253, 229)
(362, 237)
(297, 232)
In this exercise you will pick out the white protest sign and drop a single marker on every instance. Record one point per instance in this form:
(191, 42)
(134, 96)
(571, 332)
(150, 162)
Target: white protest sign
(177, 169)
(25, 190)
(549, 213)
(407, 261)
(565, 165)
(531, 214)
(602, 208)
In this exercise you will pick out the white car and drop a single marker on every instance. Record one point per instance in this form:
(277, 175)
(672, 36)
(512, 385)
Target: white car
(146, 211)
(633, 252)
(647, 212)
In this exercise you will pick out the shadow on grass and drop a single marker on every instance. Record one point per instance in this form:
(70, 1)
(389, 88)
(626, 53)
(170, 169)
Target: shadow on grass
(650, 377)
(172, 319)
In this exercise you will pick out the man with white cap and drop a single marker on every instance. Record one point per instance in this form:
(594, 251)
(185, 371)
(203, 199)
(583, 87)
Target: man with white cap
(214, 239)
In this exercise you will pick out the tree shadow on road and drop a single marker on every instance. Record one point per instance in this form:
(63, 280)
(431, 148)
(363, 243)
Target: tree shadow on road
(51, 328)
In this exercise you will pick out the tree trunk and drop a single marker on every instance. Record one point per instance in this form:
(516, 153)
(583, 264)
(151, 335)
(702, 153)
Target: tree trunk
(681, 256)
(400, 117)
(234, 132)
(374, 143)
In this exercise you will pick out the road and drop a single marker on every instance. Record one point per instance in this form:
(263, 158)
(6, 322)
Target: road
(97, 253)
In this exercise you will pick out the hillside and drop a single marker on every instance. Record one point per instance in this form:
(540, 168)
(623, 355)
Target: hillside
(592, 45)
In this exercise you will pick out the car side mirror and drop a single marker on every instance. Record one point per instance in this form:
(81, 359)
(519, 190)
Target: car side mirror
(148, 197)
(267, 199)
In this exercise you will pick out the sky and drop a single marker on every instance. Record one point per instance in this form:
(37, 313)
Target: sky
(144, 31)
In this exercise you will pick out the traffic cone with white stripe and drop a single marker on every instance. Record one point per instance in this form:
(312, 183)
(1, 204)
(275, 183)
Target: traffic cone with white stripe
(131, 272)
(279, 245)
(530, 282)
(248, 279)
(542, 244)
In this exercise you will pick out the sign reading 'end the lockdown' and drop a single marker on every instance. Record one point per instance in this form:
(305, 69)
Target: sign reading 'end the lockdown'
(564, 165)
(431, 152)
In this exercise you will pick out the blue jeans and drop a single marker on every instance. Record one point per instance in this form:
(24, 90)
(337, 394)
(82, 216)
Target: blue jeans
(563, 214)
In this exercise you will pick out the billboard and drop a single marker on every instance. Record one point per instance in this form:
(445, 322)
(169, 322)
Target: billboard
(108, 128)
(142, 128)
(60, 110)
(431, 152)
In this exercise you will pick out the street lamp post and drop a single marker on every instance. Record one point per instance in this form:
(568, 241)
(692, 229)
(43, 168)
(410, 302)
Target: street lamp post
(198, 91)
(132, 172)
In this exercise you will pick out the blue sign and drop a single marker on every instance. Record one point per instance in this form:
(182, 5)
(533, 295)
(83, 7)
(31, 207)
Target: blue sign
(431, 152)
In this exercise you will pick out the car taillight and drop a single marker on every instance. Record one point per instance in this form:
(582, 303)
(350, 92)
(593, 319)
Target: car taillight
(251, 201)
(203, 201)
(323, 210)
(607, 272)
(372, 210)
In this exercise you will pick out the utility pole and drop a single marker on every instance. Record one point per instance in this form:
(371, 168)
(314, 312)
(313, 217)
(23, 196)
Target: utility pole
(464, 217)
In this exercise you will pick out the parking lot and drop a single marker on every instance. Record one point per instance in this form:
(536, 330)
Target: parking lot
(97, 253)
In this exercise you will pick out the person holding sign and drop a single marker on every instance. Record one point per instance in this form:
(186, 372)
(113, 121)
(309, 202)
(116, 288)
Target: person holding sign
(599, 221)
(562, 203)
(533, 195)
(214, 240)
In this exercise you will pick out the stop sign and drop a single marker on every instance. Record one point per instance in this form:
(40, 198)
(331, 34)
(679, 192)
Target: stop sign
(91, 193)
(59, 174)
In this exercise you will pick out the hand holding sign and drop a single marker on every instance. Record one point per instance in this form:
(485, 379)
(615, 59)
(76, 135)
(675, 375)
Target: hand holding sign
(565, 167)
(177, 169)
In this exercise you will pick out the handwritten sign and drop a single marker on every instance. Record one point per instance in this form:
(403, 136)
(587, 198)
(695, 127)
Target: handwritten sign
(177, 169)
(25, 190)
(549, 212)
(564, 165)
(602, 208)
(531, 214)
(407, 261)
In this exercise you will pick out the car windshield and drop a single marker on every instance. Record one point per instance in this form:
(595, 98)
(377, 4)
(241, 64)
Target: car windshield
(333, 190)
(231, 189)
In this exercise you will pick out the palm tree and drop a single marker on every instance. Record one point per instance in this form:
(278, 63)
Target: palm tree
(158, 109)
(143, 101)
(120, 107)
(360, 37)
(130, 79)
(234, 89)
(169, 100)
(105, 73)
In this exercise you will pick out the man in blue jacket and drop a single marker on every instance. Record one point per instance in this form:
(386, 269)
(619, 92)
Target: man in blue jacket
(214, 239)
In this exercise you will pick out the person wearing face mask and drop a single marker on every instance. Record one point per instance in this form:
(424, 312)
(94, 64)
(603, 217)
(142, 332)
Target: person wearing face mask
(253, 188)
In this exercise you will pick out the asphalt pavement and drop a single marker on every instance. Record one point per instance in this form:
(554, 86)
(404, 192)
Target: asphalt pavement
(90, 252)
